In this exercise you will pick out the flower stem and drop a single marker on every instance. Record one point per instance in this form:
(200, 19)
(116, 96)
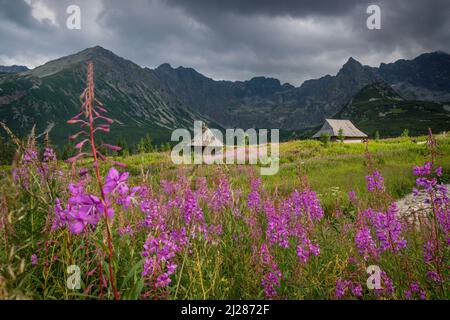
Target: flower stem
(90, 106)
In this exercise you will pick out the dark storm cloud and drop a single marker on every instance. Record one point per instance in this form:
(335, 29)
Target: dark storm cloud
(290, 40)
(293, 8)
(412, 24)
(18, 12)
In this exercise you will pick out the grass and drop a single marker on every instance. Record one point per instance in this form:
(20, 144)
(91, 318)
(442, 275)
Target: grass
(337, 168)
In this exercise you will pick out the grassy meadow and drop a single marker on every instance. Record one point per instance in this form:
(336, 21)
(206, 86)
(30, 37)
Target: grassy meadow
(223, 231)
(332, 170)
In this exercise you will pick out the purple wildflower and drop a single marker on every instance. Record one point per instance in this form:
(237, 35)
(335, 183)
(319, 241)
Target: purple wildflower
(221, 197)
(352, 196)
(414, 288)
(305, 248)
(254, 198)
(388, 230)
(365, 244)
(435, 277)
(159, 253)
(125, 230)
(34, 259)
(116, 181)
(128, 198)
(272, 275)
(375, 182)
(341, 288)
(277, 224)
(49, 155)
(423, 171)
(307, 204)
(387, 289)
(357, 290)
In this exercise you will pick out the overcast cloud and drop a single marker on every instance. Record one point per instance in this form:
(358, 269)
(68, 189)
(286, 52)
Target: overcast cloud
(234, 40)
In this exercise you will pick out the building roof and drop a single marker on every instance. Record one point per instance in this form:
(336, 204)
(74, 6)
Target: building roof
(332, 127)
(206, 139)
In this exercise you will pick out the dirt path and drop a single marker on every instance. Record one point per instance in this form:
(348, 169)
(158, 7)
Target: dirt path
(414, 207)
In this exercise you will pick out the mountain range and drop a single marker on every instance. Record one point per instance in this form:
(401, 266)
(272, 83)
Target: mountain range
(13, 69)
(155, 101)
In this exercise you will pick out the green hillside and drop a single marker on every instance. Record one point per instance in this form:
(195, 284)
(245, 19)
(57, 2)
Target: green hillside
(378, 107)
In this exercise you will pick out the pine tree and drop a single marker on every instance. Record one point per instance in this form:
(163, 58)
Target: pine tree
(122, 142)
(377, 135)
(341, 135)
(145, 144)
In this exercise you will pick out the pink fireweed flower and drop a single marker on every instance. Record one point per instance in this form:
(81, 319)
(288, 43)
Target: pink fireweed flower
(414, 288)
(357, 290)
(435, 277)
(168, 187)
(81, 210)
(84, 211)
(430, 251)
(125, 230)
(30, 155)
(159, 253)
(427, 184)
(272, 276)
(387, 286)
(389, 230)
(365, 244)
(60, 215)
(91, 112)
(352, 196)
(116, 181)
(254, 197)
(201, 188)
(221, 197)
(437, 196)
(423, 171)
(270, 282)
(127, 199)
(341, 288)
(307, 204)
(344, 287)
(375, 182)
(34, 259)
(49, 155)
(277, 226)
(154, 218)
(193, 216)
(305, 249)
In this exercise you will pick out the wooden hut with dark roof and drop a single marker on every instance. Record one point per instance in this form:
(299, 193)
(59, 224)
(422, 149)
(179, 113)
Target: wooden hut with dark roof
(206, 139)
(333, 127)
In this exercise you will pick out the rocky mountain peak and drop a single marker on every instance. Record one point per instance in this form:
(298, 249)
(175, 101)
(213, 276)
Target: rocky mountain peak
(164, 67)
(352, 65)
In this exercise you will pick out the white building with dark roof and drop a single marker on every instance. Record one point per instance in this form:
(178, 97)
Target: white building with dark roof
(333, 127)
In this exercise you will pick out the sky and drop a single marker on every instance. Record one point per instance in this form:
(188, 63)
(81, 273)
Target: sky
(292, 40)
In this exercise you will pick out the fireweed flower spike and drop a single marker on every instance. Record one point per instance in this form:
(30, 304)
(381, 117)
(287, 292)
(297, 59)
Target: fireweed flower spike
(435, 247)
(91, 111)
(375, 182)
(272, 275)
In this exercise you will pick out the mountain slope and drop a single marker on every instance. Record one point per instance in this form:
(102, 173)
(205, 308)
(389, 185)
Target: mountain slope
(13, 69)
(49, 95)
(378, 107)
(426, 77)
